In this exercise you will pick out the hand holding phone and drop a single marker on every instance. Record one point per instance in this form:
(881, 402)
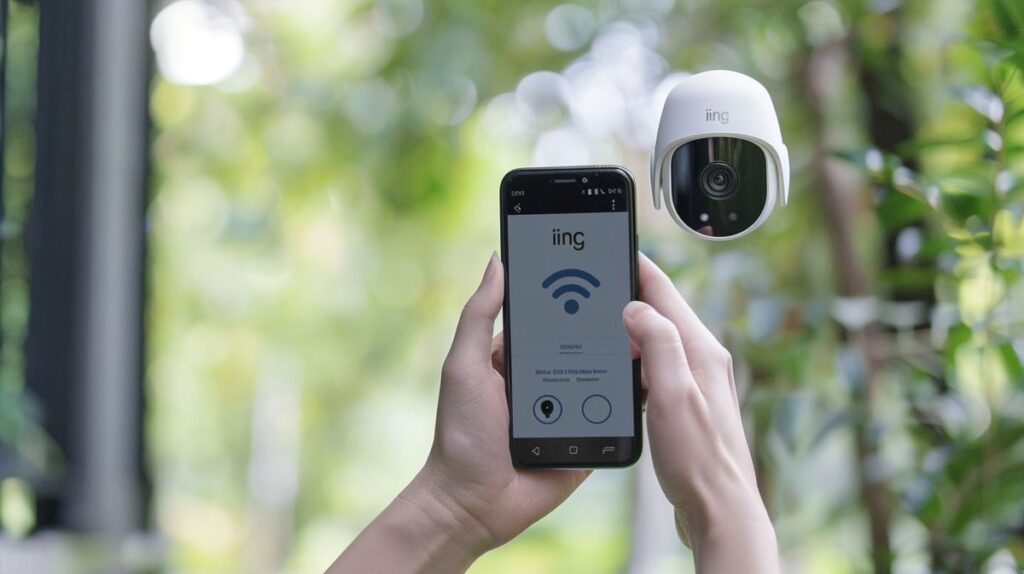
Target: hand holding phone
(468, 498)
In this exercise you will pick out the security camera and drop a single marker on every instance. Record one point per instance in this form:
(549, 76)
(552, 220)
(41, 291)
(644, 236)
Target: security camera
(719, 159)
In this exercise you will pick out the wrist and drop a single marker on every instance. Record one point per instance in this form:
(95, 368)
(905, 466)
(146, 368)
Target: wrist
(418, 532)
(716, 539)
(429, 495)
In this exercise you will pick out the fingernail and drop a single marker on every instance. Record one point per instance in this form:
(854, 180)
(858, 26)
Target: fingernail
(633, 308)
(491, 265)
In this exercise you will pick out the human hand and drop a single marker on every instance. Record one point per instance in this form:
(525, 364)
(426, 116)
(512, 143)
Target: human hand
(469, 463)
(468, 498)
(695, 431)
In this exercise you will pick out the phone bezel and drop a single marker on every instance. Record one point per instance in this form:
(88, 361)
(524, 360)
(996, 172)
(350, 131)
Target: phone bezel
(563, 175)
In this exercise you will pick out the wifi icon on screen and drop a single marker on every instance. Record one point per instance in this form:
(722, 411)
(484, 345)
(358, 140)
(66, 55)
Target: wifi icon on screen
(573, 290)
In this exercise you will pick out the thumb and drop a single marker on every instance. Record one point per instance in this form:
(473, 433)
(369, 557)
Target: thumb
(472, 342)
(661, 351)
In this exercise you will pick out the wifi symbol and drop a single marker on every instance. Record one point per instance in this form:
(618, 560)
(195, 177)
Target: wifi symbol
(571, 305)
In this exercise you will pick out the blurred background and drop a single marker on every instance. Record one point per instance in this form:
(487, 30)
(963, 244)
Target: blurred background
(236, 236)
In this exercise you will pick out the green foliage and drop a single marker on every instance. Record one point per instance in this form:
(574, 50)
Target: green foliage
(317, 219)
(26, 453)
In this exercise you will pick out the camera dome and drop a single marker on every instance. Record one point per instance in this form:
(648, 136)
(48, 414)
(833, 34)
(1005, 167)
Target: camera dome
(719, 160)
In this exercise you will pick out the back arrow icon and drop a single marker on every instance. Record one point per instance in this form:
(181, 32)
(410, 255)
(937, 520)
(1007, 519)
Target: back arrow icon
(536, 451)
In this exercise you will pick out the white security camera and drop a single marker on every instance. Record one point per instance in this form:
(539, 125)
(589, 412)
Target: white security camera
(719, 159)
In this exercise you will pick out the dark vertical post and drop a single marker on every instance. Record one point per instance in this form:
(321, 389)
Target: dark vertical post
(86, 249)
(53, 237)
(109, 494)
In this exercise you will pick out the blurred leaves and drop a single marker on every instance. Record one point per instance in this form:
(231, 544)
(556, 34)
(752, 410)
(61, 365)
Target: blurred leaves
(317, 219)
(969, 175)
(17, 507)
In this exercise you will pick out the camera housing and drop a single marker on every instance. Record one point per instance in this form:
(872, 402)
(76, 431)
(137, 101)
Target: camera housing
(719, 160)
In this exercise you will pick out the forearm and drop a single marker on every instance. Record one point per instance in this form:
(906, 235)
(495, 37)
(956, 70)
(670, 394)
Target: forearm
(417, 532)
(737, 545)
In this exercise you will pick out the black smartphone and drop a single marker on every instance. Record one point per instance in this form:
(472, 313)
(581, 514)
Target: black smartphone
(568, 242)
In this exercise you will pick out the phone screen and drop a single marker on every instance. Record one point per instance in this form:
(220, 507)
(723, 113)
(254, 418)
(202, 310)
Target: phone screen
(569, 252)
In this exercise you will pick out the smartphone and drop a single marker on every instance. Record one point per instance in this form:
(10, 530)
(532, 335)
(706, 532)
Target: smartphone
(568, 242)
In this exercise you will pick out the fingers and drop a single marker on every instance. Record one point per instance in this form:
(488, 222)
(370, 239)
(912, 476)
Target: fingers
(473, 337)
(659, 292)
(678, 418)
(661, 351)
(709, 360)
(710, 363)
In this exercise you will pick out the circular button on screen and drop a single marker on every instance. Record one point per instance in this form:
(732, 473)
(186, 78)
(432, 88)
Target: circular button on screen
(597, 409)
(547, 409)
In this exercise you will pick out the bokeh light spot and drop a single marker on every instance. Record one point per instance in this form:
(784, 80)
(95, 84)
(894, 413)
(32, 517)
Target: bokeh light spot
(196, 43)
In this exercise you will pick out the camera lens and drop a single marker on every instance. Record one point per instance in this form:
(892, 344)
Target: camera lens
(719, 185)
(718, 180)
